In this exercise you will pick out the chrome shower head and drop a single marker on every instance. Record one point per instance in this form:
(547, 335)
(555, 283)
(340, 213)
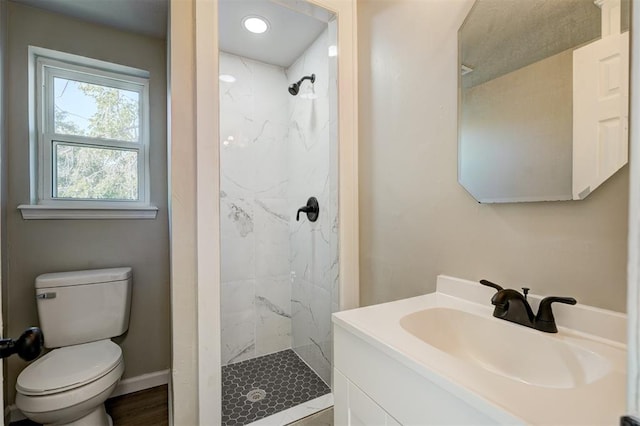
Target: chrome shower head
(295, 87)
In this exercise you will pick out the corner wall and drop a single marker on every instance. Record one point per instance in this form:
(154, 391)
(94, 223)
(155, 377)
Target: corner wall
(3, 186)
(40, 246)
(313, 172)
(416, 221)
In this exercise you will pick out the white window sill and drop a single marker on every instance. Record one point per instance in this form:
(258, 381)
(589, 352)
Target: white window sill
(38, 211)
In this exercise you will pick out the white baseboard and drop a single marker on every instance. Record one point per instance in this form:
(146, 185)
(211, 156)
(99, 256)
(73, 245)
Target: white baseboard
(126, 386)
(7, 415)
(142, 382)
(14, 414)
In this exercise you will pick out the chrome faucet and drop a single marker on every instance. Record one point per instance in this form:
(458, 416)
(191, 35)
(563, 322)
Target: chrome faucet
(511, 305)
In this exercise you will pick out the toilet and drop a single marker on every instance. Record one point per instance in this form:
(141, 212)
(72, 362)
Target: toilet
(79, 312)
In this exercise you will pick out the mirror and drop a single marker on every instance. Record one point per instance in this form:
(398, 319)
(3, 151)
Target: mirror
(544, 93)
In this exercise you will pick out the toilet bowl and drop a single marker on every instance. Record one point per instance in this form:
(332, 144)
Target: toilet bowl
(79, 312)
(68, 386)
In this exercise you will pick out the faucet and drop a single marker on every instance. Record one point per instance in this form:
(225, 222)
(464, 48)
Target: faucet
(511, 305)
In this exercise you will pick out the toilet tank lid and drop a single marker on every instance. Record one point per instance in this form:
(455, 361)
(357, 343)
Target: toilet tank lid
(91, 276)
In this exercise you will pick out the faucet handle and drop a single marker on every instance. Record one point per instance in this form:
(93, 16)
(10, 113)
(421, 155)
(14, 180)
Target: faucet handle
(547, 301)
(545, 321)
(490, 284)
(311, 209)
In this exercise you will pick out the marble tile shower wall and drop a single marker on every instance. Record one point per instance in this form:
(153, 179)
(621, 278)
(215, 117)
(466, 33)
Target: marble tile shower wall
(314, 246)
(255, 218)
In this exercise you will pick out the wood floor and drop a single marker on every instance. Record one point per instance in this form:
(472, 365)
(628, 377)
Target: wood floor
(145, 408)
(150, 408)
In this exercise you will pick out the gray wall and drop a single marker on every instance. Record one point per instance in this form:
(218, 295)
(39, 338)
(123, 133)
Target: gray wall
(416, 221)
(40, 246)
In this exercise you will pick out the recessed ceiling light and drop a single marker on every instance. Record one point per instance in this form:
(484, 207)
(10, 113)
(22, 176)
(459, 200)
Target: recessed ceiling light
(227, 78)
(255, 24)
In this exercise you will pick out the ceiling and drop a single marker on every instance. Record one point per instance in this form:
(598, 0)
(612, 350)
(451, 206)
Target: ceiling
(500, 36)
(294, 25)
(147, 17)
(291, 30)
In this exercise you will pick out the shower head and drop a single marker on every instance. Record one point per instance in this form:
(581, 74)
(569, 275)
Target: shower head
(295, 87)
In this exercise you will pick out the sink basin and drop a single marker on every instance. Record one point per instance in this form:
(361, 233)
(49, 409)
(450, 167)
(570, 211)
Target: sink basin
(513, 351)
(442, 358)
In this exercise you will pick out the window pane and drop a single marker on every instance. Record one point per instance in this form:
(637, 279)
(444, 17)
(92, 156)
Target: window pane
(85, 109)
(95, 173)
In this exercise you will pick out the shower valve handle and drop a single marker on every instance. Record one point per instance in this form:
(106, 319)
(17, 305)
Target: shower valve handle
(311, 209)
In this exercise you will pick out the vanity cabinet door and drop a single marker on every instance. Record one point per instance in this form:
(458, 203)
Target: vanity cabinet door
(352, 407)
(340, 399)
(362, 410)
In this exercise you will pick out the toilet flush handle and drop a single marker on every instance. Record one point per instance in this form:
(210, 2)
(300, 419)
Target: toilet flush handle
(51, 295)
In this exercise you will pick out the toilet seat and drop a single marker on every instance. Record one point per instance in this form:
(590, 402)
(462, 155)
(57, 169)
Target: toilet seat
(68, 368)
(68, 406)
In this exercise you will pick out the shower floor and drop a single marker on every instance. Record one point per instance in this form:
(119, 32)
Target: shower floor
(260, 387)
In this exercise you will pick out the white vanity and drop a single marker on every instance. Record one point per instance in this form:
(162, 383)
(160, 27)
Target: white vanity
(443, 359)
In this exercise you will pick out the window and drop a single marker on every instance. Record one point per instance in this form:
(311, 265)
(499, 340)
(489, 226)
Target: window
(91, 135)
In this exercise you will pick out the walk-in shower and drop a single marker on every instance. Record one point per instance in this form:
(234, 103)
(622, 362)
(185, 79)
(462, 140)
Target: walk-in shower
(279, 275)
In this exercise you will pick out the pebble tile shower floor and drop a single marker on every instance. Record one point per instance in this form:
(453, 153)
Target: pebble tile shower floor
(260, 387)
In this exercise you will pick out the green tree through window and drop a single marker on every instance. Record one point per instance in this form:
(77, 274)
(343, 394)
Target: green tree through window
(94, 172)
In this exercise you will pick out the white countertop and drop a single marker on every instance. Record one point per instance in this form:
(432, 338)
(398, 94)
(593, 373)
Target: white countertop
(503, 398)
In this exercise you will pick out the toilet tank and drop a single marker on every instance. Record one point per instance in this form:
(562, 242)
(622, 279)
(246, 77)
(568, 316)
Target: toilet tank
(83, 306)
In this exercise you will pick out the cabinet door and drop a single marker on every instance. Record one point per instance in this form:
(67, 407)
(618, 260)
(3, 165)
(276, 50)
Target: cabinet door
(391, 421)
(340, 399)
(363, 411)
(352, 407)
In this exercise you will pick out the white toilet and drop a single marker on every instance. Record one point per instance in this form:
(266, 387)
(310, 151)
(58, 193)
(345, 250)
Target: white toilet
(79, 312)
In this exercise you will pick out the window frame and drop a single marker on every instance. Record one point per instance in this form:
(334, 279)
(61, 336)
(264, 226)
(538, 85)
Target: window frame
(48, 69)
(44, 66)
